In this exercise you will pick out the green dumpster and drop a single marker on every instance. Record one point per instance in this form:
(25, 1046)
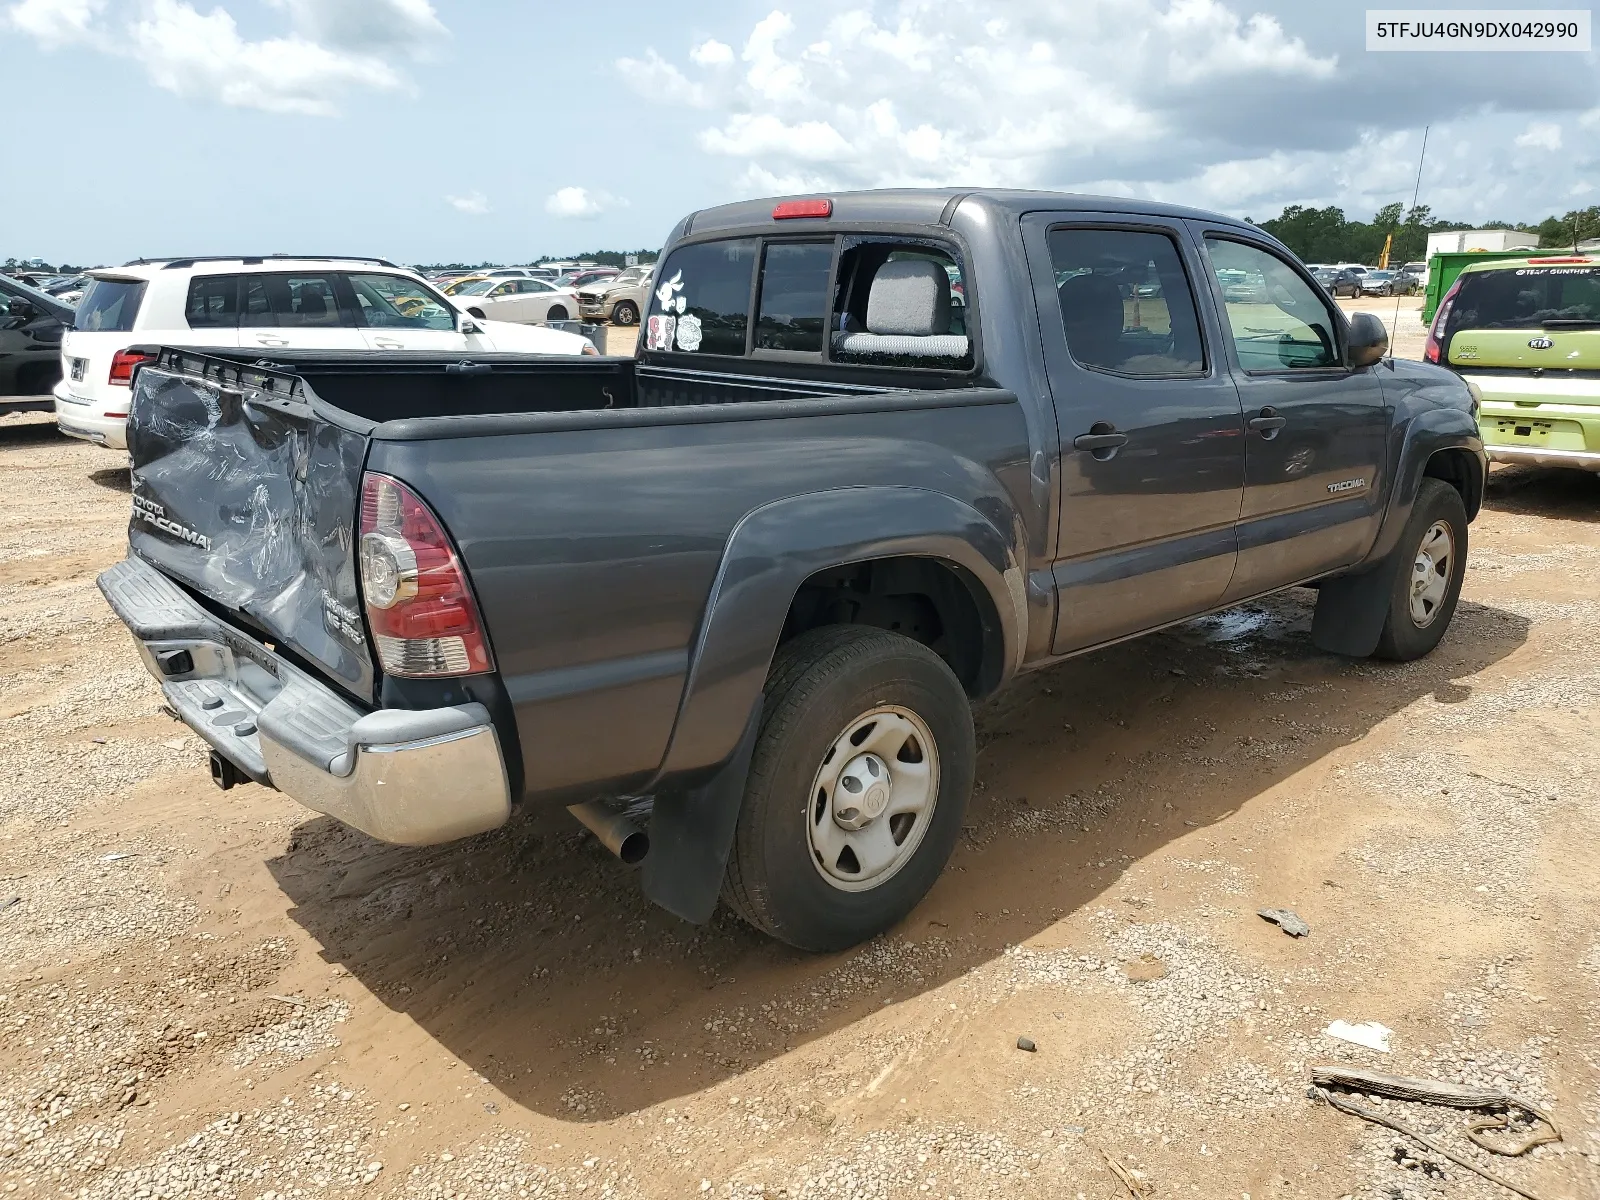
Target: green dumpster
(1443, 269)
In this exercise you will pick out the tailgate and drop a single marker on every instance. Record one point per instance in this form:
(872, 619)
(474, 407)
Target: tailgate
(246, 489)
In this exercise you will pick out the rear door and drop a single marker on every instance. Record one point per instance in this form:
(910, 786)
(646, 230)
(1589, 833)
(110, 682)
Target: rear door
(1152, 457)
(1316, 440)
(245, 495)
(302, 310)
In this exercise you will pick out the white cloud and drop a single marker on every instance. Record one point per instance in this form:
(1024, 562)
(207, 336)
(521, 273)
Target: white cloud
(411, 26)
(712, 53)
(54, 22)
(1590, 119)
(580, 203)
(747, 136)
(204, 57)
(474, 204)
(942, 92)
(1222, 102)
(657, 80)
(1541, 135)
(332, 47)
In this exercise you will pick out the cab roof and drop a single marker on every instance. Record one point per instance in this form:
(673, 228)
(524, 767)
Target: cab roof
(930, 206)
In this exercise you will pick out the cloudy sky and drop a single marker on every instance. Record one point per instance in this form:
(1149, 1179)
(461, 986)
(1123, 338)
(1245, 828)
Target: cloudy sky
(505, 129)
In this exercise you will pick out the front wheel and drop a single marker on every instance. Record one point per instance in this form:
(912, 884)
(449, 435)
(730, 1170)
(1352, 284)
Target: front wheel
(857, 787)
(1427, 585)
(625, 313)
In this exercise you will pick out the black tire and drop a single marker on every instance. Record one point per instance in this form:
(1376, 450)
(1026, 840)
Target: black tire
(1402, 638)
(818, 684)
(626, 312)
(477, 312)
(555, 313)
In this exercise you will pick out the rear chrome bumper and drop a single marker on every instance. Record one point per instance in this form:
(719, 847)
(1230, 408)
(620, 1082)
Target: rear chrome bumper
(415, 778)
(1583, 460)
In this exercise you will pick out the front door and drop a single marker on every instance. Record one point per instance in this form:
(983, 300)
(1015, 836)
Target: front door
(1152, 455)
(1316, 431)
(397, 313)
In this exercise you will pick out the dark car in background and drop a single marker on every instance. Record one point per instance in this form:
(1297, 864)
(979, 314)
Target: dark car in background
(1338, 281)
(31, 325)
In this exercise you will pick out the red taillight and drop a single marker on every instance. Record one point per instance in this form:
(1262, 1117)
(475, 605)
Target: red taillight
(1435, 347)
(789, 210)
(122, 364)
(419, 605)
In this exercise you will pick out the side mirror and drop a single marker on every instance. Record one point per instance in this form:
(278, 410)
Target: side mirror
(469, 326)
(1369, 340)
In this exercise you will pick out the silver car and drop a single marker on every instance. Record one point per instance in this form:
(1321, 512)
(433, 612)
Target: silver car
(620, 299)
(1387, 283)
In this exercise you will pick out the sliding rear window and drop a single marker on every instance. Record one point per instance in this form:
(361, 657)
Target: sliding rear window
(109, 306)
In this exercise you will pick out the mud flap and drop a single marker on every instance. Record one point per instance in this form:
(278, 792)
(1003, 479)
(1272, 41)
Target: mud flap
(1351, 610)
(691, 833)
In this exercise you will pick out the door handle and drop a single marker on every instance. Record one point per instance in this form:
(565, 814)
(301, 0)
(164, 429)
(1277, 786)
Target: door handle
(1268, 423)
(271, 341)
(1102, 440)
(388, 344)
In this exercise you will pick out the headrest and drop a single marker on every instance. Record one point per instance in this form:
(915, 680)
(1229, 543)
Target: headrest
(909, 297)
(1091, 306)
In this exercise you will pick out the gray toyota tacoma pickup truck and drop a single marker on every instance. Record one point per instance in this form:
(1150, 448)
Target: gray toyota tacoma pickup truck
(731, 602)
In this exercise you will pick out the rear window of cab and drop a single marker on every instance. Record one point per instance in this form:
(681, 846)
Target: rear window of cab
(868, 300)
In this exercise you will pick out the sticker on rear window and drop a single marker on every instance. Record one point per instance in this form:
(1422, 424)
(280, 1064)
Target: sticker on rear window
(658, 332)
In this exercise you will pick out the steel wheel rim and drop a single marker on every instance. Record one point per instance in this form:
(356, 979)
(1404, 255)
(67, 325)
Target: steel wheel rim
(892, 826)
(1430, 573)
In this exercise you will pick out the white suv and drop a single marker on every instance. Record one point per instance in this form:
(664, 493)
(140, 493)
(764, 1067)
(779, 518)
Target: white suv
(273, 302)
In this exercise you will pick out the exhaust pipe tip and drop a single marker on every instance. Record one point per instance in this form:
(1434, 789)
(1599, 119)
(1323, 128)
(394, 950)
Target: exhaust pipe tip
(633, 847)
(617, 830)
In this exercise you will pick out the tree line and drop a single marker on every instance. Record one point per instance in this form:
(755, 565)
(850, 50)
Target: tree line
(1325, 235)
(601, 258)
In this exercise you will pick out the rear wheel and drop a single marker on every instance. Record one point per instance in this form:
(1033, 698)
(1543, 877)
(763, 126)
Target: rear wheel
(625, 313)
(857, 787)
(477, 312)
(1423, 598)
(555, 313)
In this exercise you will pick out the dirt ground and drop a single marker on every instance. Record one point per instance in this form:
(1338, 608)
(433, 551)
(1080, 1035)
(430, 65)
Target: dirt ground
(209, 994)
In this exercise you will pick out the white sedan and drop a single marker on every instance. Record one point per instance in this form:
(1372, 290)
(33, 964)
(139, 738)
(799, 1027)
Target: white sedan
(521, 300)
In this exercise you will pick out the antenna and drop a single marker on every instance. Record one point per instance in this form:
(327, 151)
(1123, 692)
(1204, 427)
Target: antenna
(1416, 192)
